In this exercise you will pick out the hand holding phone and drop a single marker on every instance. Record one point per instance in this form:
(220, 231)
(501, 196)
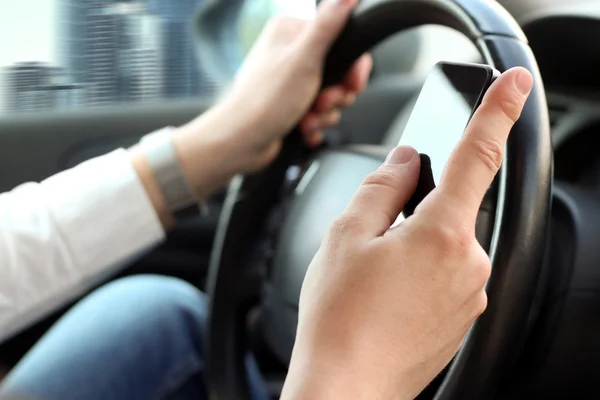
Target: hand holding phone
(451, 94)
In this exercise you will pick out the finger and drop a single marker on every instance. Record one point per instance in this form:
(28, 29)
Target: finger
(383, 194)
(319, 121)
(329, 119)
(314, 139)
(331, 18)
(310, 123)
(478, 155)
(359, 74)
(332, 97)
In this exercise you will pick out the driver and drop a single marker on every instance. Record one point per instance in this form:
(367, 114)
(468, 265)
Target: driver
(382, 310)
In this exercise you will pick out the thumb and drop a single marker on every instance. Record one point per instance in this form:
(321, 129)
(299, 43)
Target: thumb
(384, 193)
(331, 18)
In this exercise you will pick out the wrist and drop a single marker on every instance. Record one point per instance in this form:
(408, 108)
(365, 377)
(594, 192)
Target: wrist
(329, 374)
(248, 131)
(208, 152)
(329, 363)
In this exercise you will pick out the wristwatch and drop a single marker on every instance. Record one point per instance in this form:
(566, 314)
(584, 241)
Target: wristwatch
(159, 150)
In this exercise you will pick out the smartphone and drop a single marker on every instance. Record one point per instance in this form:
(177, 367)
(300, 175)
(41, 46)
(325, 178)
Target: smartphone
(451, 94)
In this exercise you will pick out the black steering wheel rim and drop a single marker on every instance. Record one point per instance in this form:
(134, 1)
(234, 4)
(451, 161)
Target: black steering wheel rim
(493, 342)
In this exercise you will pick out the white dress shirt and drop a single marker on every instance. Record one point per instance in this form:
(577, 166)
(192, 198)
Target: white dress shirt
(60, 237)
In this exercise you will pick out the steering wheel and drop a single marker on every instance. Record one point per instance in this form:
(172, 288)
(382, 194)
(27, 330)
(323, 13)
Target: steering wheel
(273, 222)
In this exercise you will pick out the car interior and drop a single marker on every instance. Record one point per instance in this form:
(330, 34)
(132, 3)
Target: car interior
(549, 281)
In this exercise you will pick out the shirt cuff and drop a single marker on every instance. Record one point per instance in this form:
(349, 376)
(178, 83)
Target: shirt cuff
(103, 212)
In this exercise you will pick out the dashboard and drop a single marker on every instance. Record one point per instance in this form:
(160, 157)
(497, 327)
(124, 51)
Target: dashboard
(565, 43)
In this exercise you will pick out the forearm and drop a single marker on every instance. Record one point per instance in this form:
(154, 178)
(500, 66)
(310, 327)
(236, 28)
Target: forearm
(333, 380)
(60, 237)
(338, 382)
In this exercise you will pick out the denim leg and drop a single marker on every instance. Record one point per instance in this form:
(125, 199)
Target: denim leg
(136, 338)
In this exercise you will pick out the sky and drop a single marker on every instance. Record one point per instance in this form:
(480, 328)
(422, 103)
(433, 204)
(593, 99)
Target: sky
(27, 27)
(27, 30)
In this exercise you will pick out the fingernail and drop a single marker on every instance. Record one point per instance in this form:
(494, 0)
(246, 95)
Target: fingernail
(400, 155)
(524, 82)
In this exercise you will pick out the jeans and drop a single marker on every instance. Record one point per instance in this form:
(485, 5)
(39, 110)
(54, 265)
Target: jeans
(136, 338)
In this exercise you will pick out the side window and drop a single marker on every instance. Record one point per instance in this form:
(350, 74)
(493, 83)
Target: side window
(80, 54)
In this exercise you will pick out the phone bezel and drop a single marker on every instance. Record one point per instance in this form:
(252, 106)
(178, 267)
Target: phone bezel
(462, 77)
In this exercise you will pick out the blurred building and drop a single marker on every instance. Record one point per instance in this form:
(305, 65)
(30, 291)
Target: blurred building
(97, 65)
(140, 66)
(130, 50)
(114, 48)
(58, 96)
(35, 86)
(72, 35)
(182, 76)
(20, 80)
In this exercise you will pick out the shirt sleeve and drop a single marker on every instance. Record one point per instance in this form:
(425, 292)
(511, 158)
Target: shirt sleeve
(60, 237)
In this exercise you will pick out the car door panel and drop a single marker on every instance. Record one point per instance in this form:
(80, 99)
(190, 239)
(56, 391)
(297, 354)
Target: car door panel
(35, 146)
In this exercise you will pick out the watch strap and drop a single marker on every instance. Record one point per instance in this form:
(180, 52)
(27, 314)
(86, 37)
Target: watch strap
(161, 156)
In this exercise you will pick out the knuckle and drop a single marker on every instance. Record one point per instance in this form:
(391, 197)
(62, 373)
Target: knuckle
(334, 118)
(490, 152)
(451, 242)
(483, 271)
(276, 22)
(480, 304)
(381, 177)
(281, 25)
(511, 108)
(346, 225)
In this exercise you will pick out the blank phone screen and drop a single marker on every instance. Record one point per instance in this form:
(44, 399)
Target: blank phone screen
(443, 109)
